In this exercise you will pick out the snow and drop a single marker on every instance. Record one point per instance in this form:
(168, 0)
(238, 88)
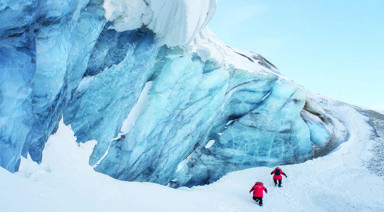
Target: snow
(175, 22)
(336, 182)
(130, 120)
(178, 23)
(127, 15)
(209, 144)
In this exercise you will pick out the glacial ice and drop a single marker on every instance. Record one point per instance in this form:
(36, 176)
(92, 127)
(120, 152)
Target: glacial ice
(166, 101)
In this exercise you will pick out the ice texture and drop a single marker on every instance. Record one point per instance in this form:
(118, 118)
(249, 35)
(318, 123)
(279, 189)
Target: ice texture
(43, 47)
(177, 108)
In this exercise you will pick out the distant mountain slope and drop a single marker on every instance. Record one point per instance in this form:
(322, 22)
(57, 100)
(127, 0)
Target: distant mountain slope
(376, 164)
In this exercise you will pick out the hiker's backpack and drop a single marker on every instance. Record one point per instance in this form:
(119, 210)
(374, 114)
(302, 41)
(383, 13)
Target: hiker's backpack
(277, 171)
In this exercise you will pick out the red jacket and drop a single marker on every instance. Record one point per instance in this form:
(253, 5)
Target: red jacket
(278, 176)
(258, 189)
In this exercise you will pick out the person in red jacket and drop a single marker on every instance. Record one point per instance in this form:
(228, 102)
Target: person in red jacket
(277, 172)
(258, 189)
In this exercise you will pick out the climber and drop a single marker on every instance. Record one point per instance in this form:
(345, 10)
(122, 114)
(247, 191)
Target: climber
(277, 172)
(258, 189)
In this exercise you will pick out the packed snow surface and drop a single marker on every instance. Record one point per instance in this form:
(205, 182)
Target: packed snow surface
(65, 182)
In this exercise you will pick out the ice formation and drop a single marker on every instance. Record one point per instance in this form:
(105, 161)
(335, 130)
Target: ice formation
(166, 101)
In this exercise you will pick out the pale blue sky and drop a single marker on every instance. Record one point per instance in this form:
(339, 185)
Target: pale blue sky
(335, 48)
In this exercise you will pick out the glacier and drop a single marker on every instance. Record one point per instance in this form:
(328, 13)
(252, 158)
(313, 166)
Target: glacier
(164, 98)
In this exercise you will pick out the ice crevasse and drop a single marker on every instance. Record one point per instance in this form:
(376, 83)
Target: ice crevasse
(164, 98)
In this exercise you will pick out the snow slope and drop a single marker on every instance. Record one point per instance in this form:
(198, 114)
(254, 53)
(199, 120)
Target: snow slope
(336, 182)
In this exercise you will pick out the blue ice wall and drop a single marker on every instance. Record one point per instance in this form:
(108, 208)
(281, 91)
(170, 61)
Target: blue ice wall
(180, 106)
(260, 126)
(158, 114)
(17, 69)
(40, 65)
(113, 82)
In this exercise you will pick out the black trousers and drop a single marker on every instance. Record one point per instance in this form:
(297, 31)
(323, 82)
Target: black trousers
(275, 180)
(259, 200)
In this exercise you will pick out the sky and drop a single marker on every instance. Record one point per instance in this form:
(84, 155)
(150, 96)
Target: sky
(335, 48)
